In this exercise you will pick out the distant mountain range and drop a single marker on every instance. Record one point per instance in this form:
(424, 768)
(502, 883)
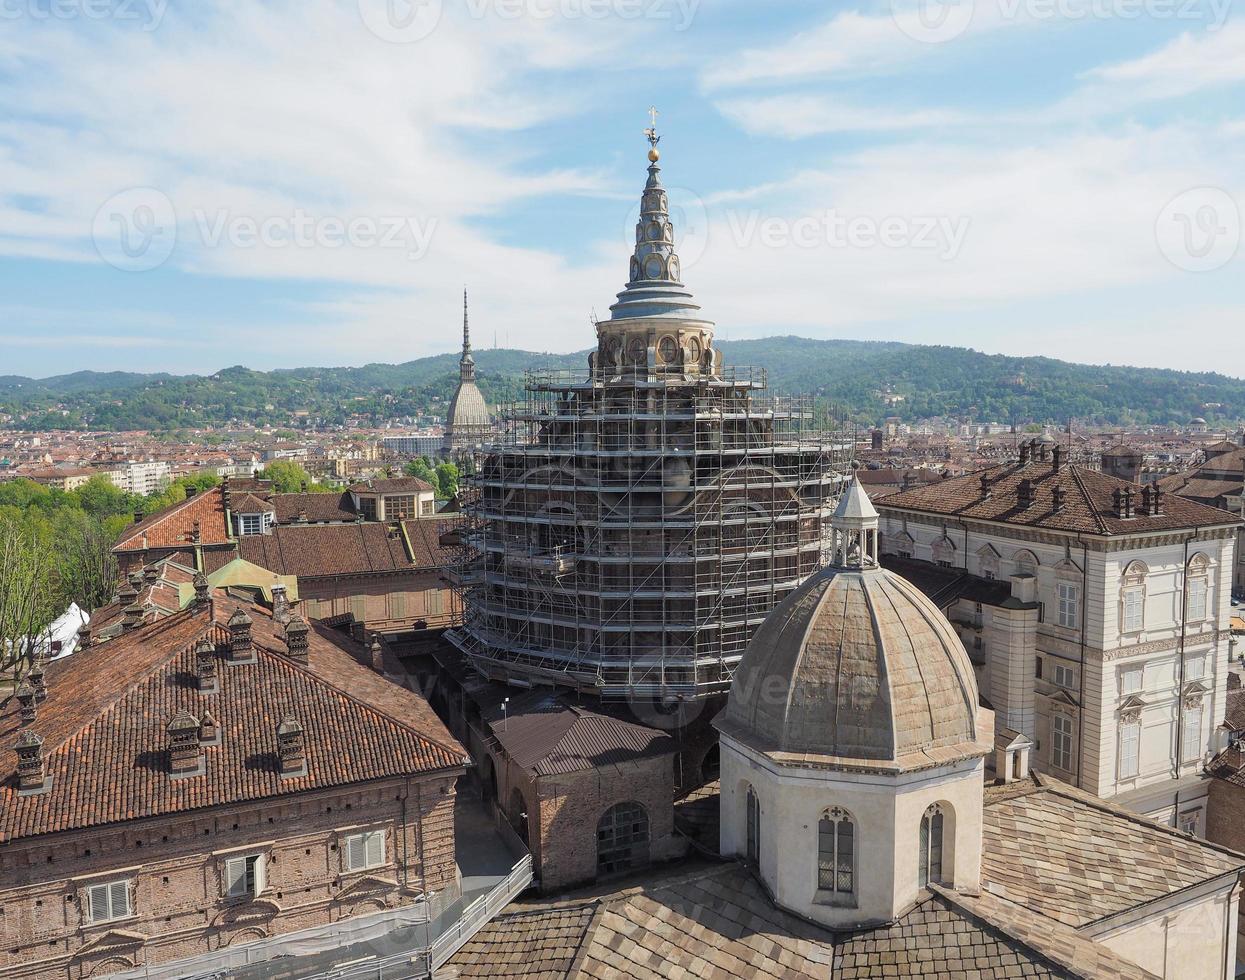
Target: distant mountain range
(864, 381)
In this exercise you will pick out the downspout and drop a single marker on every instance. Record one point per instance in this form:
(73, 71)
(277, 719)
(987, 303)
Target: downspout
(1184, 619)
(1080, 695)
(406, 870)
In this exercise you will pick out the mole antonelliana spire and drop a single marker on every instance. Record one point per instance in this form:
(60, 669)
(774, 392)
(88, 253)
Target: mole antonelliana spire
(467, 423)
(639, 521)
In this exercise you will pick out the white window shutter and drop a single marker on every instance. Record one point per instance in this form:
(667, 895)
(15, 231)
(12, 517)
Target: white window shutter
(375, 849)
(261, 873)
(97, 903)
(118, 899)
(356, 852)
(235, 876)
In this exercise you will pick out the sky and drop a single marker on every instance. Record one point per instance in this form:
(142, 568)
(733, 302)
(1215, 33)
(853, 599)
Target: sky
(187, 185)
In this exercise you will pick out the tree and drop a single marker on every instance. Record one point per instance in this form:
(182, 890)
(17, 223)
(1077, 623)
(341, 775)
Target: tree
(87, 569)
(446, 480)
(289, 477)
(421, 469)
(27, 605)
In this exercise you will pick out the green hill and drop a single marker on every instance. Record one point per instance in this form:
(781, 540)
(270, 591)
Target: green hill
(864, 380)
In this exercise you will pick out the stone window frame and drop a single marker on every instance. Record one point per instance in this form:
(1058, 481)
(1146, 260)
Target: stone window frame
(932, 845)
(86, 890)
(364, 834)
(1127, 670)
(837, 818)
(1133, 583)
(1192, 748)
(1025, 562)
(752, 826)
(1197, 572)
(943, 551)
(635, 842)
(1055, 735)
(1068, 578)
(989, 562)
(1130, 722)
(222, 859)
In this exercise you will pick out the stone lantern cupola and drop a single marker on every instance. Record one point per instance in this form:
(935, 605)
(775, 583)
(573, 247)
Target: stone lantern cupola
(852, 743)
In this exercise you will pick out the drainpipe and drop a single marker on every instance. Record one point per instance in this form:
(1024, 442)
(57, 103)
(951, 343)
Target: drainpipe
(1080, 680)
(1184, 620)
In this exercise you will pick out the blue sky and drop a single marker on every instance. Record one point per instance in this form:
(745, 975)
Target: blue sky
(186, 186)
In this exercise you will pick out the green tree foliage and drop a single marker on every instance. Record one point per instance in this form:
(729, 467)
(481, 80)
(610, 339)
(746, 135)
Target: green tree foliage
(288, 476)
(421, 469)
(446, 480)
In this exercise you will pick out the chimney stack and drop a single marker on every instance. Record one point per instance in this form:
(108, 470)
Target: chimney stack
(196, 533)
(84, 636)
(291, 748)
(378, 655)
(1057, 498)
(280, 604)
(241, 642)
(37, 681)
(1056, 458)
(1024, 494)
(138, 517)
(205, 667)
(150, 573)
(26, 699)
(185, 752)
(1025, 449)
(209, 730)
(985, 484)
(296, 640)
(32, 778)
(1122, 502)
(201, 590)
(133, 618)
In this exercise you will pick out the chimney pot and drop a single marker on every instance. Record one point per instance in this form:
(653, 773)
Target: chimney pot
(201, 590)
(291, 748)
(1057, 495)
(378, 656)
(185, 751)
(296, 639)
(280, 604)
(241, 641)
(205, 667)
(133, 618)
(1057, 458)
(209, 730)
(1024, 493)
(32, 778)
(26, 699)
(36, 677)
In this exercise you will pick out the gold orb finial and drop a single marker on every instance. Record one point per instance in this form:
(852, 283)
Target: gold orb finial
(654, 155)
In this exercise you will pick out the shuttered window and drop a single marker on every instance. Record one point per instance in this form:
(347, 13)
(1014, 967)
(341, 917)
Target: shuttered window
(365, 850)
(108, 901)
(244, 876)
(1130, 749)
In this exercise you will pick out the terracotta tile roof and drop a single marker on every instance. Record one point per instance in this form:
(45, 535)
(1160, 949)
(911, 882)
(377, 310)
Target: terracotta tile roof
(248, 503)
(545, 735)
(720, 924)
(103, 724)
(311, 550)
(1229, 765)
(172, 526)
(1234, 712)
(1087, 504)
(401, 484)
(319, 507)
(1076, 859)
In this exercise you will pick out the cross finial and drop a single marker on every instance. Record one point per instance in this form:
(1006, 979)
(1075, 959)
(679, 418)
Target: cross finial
(651, 132)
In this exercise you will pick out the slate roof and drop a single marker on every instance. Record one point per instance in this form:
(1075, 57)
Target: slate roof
(103, 724)
(943, 586)
(172, 526)
(1087, 504)
(1073, 858)
(719, 923)
(547, 736)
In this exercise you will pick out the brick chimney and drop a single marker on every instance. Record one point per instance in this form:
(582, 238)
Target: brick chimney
(38, 681)
(296, 640)
(138, 517)
(84, 636)
(209, 730)
(1024, 494)
(985, 485)
(291, 748)
(133, 617)
(196, 533)
(1025, 449)
(185, 752)
(1058, 495)
(378, 655)
(32, 778)
(280, 604)
(1056, 458)
(126, 594)
(241, 642)
(205, 667)
(150, 573)
(1122, 502)
(26, 699)
(201, 590)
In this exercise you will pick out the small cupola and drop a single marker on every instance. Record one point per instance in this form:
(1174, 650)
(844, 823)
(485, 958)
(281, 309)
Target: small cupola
(241, 642)
(854, 530)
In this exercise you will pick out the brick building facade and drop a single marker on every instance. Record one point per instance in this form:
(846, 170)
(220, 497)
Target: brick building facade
(216, 777)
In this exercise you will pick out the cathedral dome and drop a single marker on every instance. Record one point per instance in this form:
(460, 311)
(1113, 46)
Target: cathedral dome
(856, 668)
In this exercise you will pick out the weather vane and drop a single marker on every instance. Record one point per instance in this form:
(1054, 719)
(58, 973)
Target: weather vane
(651, 133)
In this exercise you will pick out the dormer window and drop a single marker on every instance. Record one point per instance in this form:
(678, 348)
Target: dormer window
(260, 523)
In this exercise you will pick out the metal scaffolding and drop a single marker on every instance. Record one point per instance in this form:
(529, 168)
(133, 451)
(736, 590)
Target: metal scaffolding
(630, 533)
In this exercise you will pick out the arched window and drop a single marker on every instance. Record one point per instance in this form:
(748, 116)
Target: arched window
(836, 856)
(930, 859)
(1025, 562)
(753, 852)
(622, 838)
(944, 552)
(1133, 598)
(988, 562)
